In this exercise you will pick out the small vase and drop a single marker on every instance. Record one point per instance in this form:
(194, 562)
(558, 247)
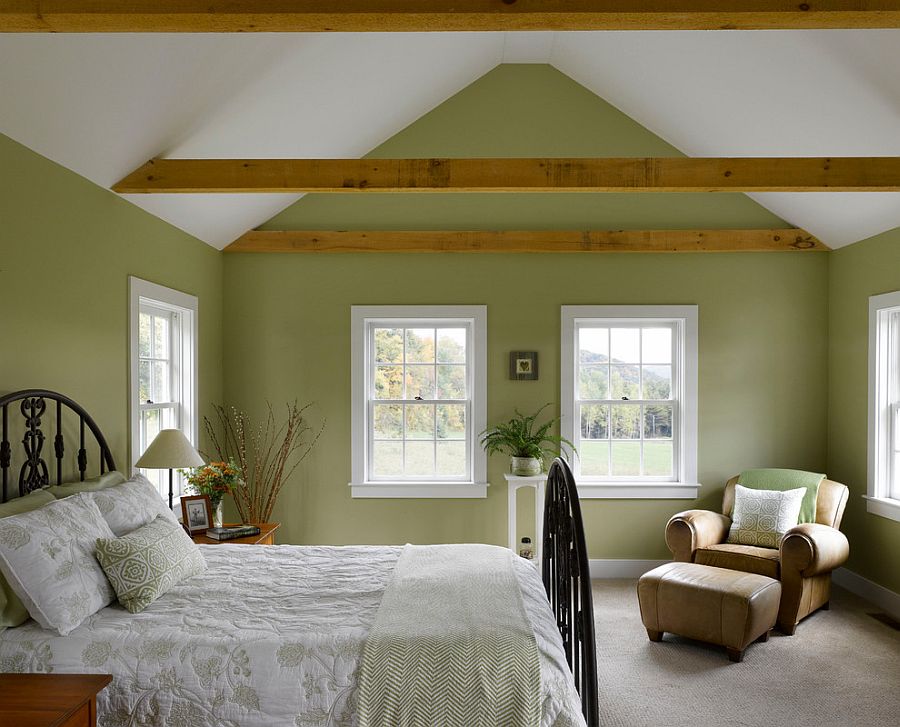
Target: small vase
(217, 515)
(526, 466)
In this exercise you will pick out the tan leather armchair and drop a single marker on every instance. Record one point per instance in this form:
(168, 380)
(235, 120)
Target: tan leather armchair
(803, 563)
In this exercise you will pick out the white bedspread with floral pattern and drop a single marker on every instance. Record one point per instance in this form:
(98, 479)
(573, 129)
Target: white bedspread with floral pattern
(268, 635)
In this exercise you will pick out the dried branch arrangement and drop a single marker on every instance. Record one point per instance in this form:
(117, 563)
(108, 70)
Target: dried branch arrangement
(267, 453)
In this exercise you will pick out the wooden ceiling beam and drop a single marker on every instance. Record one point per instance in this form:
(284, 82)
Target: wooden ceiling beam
(668, 174)
(277, 16)
(528, 241)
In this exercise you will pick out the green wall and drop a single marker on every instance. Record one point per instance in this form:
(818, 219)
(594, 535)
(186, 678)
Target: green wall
(866, 268)
(67, 248)
(762, 316)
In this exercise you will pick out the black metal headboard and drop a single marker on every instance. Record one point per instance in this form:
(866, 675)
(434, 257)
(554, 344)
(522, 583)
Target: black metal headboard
(34, 472)
(567, 578)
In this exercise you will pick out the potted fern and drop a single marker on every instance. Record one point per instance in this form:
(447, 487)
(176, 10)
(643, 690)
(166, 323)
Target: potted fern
(524, 442)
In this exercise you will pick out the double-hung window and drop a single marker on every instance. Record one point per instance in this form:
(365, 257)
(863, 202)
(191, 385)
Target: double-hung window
(163, 369)
(418, 395)
(629, 399)
(884, 406)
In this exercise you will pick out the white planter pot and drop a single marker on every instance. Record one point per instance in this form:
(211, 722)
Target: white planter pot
(526, 466)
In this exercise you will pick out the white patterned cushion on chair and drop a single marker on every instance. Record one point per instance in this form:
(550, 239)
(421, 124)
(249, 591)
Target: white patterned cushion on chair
(47, 556)
(134, 503)
(147, 562)
(762, 517)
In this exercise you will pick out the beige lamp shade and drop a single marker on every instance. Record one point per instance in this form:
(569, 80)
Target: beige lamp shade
(170, 449)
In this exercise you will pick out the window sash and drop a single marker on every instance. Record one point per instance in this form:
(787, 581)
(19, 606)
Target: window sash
(179, 409)
(371, 401)
(674, 399)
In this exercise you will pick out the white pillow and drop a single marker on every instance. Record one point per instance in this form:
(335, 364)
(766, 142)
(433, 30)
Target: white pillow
(132, 504)
(48, 558)
(762, 517)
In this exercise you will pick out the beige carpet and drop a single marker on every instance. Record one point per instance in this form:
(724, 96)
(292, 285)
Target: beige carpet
(842, 667)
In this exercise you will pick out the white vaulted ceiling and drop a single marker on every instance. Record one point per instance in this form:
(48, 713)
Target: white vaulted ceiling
(101, 105)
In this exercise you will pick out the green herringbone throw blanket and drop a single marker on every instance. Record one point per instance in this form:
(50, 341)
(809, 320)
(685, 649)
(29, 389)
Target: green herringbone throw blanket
(782, 479)
(451, 645)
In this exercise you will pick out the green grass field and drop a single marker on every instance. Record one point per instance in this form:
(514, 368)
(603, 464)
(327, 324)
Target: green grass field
(626, 458)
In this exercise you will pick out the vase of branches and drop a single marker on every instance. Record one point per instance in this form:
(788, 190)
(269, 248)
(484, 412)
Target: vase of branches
(267, 453)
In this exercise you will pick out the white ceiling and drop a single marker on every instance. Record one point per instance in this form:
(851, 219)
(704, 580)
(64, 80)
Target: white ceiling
(101, 105)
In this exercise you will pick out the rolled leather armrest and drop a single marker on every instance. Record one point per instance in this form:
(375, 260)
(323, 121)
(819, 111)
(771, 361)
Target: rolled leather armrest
(692, 529)
(812, 549)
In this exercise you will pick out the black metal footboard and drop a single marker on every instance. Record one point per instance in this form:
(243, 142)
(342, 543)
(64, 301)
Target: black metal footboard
(567, 578)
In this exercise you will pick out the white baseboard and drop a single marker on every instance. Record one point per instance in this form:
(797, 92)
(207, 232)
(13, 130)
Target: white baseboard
(882, 597)
(622, 568)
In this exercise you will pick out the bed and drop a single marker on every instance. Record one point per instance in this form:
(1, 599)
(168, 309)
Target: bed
(274, 635)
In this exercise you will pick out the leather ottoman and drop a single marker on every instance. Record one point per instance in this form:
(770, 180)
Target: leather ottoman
(720, 606)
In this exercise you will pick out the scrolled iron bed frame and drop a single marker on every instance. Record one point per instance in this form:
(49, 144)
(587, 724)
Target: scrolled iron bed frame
(34, 473)
(567, 579)
(565, 569)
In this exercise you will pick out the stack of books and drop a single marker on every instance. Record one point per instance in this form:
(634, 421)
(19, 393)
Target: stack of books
(232, 532)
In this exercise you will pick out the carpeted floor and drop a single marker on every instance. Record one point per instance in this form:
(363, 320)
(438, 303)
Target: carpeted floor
(842, 667)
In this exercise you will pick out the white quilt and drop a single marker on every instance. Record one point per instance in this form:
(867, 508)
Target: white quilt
(268, 635)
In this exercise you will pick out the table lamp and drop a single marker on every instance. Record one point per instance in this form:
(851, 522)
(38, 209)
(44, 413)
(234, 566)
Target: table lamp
(170, 450)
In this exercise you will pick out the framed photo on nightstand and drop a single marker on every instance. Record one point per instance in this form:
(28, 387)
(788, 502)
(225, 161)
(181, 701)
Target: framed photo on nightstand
(196, 513)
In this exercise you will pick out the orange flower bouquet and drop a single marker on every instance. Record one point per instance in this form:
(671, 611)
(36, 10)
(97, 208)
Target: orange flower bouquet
(215, 480)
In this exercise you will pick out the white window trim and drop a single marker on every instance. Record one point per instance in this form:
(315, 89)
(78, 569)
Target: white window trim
(685, 316)
(187, 305)
(359, 487)
(882, 344)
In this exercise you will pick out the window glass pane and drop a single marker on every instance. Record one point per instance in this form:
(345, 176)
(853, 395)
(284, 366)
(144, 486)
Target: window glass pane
(389, 345)
(594, 458)
(150, 426)
(625, 381)
(420, 382)
(388, 382)
(451, 382)
(657, 382)
(593, 382)
(420, 345)
(658, 459)
(595, 421)
(626, 458)
(143, 381)
(593, 345)
(451, 345)
(626, 420)
(388, 421)
(160, 385)
(626, 345)
(160, 337)
(420, 421)
(451, 421)
(387, 458)
(144, 324)
(656, 345)
(658, 421)
(419, 459)
(451, 459)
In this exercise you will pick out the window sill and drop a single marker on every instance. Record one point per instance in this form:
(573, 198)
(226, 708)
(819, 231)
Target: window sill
(638, 490)
(883, 506)
(419, 490)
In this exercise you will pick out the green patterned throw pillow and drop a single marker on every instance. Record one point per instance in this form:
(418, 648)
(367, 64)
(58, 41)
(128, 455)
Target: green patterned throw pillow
(146, 563)
(762, 517)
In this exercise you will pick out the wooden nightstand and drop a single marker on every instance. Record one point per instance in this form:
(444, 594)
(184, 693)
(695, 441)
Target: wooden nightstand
(50, 700)
(266, 536)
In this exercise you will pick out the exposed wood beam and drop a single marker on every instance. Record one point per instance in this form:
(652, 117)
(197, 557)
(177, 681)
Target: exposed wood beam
(273, 16)
(313, 241)
(667, 174)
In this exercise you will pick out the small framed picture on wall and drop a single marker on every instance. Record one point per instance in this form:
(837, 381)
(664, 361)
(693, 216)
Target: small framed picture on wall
(196, 513)
(523, 365)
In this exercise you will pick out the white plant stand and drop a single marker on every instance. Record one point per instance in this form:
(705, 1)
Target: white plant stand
(538, 482)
